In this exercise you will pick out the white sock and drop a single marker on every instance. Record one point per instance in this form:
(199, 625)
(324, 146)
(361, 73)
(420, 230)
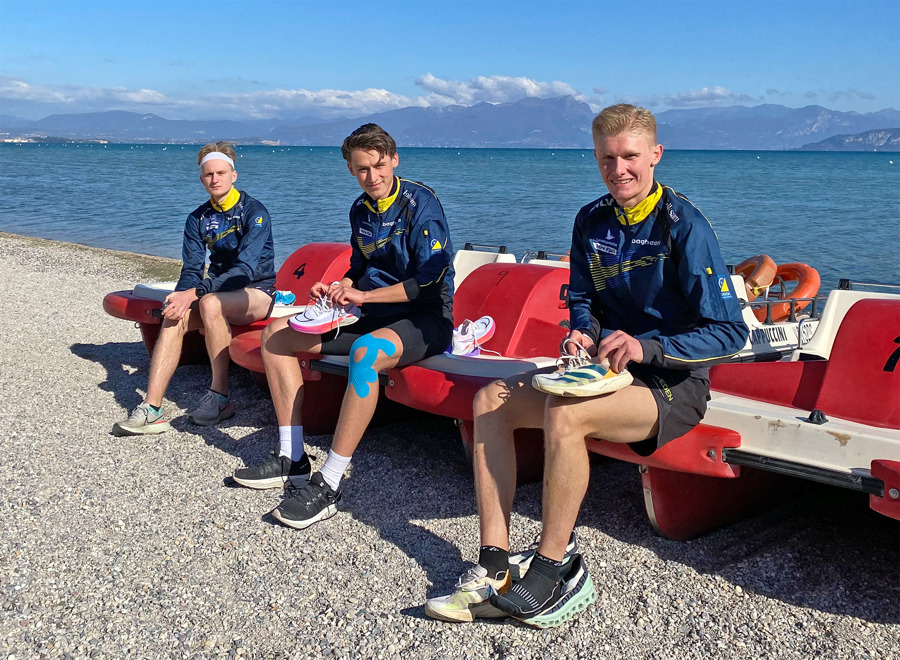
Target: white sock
(290, 442)
(333, 469)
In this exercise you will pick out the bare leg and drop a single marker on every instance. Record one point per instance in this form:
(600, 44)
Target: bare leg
(167, 353)
(368, 358)
(500, 408)
(628, 415)
(280, 344)
(219, 311)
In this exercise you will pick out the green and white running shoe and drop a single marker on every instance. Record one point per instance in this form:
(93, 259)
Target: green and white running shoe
(572, 595)
(142, 421)
(470, 599)
(578, 376)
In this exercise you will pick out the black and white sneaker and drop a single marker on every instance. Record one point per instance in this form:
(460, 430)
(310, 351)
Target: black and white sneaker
(274, 472)
(307, 505)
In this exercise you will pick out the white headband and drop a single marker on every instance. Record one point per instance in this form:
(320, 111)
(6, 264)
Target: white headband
(216, 155)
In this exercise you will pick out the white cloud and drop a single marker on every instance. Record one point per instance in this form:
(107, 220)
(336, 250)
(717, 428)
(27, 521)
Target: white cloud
(704, 97)
(270, 103)
(492, 89)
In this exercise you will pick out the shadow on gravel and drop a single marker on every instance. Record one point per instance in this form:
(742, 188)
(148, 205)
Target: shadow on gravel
(127, 366)
(822, 549)
(406, 472)
(114, 357)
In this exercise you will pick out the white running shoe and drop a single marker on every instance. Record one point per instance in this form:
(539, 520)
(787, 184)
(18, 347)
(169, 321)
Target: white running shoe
(470, 599)
(470, 335)
(323, 316)
(578, 376)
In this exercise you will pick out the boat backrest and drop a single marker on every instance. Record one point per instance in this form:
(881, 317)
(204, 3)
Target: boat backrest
(836, 307)
(314, 262)
(527, 302)
(154, 290)
(542, 258)
(862, 379)
(465, 261)
(553, 263)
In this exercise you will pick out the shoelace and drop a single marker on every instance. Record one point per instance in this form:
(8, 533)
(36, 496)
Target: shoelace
(321, 306)
(469, 576)
(568, 361)
(308, 493)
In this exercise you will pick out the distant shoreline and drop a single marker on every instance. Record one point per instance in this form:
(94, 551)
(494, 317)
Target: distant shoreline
(175, 143)
(151, 267)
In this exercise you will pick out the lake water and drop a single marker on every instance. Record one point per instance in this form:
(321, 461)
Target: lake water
(839, 212)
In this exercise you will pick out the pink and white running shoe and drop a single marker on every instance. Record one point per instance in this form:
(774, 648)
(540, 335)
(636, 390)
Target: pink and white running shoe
(323, 316)
(470, 335)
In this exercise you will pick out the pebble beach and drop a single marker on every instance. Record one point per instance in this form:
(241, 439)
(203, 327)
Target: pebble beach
(141, 547)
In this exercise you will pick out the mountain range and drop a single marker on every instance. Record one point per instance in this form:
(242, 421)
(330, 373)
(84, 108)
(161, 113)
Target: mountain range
(561, 122)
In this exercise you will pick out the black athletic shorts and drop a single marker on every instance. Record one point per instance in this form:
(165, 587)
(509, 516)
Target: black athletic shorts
(422, 335)
(269, 290)
(680, 397)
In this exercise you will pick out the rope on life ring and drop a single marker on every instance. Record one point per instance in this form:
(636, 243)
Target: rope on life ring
(808, 281)
(758, 273)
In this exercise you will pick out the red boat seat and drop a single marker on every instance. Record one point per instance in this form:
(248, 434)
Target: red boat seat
(315, 262)
(527, 302)
(862, 380)
(792, 384)
(699, 451)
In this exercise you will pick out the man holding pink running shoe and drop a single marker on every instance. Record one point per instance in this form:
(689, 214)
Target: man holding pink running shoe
(392, 307)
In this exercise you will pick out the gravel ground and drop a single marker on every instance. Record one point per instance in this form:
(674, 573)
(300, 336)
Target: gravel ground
(114, 547)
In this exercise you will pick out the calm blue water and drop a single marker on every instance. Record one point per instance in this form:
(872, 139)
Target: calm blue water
(839, 212)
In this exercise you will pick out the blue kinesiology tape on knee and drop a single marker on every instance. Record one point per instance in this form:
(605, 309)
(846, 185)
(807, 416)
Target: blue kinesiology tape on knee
(362, 371)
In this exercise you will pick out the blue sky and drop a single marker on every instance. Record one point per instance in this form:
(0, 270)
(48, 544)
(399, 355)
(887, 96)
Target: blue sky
(203, 59)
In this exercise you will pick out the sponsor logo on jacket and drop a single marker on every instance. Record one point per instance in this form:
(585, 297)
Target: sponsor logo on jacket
(609, 244)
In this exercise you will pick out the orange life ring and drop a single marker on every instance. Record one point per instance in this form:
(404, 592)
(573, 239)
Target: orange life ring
(808, 281)
(758, 273)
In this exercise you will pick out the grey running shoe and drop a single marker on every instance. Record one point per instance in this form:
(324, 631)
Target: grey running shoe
(304, 506)
(571, 595)
(142, 421)
(212, 409)
(274, 472)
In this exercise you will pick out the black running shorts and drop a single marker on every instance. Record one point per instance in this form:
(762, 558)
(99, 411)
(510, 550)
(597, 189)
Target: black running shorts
(422, 335)
(680, 397)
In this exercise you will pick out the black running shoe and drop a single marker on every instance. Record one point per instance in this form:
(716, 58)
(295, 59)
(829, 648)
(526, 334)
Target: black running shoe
(304, 506)
(274, 472)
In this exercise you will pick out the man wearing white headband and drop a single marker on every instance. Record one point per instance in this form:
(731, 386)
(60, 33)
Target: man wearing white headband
(239, 288)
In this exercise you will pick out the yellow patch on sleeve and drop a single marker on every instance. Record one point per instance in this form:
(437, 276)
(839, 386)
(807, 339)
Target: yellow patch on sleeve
(709, 271)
